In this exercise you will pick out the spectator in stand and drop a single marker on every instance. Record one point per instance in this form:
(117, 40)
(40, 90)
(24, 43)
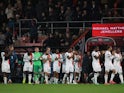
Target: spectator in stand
(85, 5)
(57, 10)
(109, 14)
(68, 14)
(105, 10)
(84, 16)
(3, 28)
(9, 11)
(2, 39)
(41, 7)
(33, 32)
(10, 23)
(68, 40)
(61, 14)
(94, 11)
(18, 8)
(77, 14)
(61, 41)
(42, 17)
(56, 38)
(3, 17)
(49, 41)
(52, 16)
(116, 14)
(30, 10)
(8, 36)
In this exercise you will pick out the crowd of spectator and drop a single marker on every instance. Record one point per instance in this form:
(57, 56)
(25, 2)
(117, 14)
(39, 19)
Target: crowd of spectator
(52, 10)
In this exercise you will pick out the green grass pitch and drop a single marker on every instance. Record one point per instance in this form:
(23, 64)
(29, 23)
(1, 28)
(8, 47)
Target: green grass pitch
(62, 88)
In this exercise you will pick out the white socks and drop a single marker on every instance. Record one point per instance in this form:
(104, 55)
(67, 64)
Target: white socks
(46, 79)
(68, 80)
(29, 78)
(55, 80)
(106, 78)
(79, 76)
(95, 77)
(71, 77)
(5, 80)
(121, 78)
(112, 77)
(65, 76)
(24, 76)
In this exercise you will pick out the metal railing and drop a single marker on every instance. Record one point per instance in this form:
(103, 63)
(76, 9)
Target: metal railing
(111, 18)
(62, 25)
(56, 25)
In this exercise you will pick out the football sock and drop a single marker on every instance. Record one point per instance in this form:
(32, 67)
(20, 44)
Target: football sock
(106, 78)
(121, 78)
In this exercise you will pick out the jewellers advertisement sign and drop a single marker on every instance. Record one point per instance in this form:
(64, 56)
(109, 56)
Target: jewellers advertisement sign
(116, 29)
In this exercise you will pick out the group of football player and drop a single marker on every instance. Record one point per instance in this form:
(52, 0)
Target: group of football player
(112, 62)
(46, 67)
(53, 67)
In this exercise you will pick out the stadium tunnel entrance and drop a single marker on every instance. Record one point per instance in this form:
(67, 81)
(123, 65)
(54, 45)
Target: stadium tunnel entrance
(100, 41)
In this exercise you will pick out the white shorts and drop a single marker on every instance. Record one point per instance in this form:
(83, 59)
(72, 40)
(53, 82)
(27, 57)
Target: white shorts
(46, 68)
(69, 68)
(109, 67)
(28, 67)
(77, 68)
(118, 68)
(56, 66)
(96, 67)
(5, 66)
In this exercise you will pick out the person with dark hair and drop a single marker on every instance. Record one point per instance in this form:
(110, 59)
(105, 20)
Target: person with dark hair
(8, 36)
(109, 66)
(96, 63)
(47, 59)
(69, 67)
(33, 32)
(86, 66)
(13, 60)
(77, 66)
(117, 61)
(6, 62)
(37, 65)
(56, 65)
(28, 66)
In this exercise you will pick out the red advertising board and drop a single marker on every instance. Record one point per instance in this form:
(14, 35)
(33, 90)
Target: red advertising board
(108, 29)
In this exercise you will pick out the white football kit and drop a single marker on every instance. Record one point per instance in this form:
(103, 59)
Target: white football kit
(69, 67)
(108, 61)
(28, 66)
(77, 63)
(47, 64)
(96, 62)
(5, 64)
(57, 62)
(117, 62)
